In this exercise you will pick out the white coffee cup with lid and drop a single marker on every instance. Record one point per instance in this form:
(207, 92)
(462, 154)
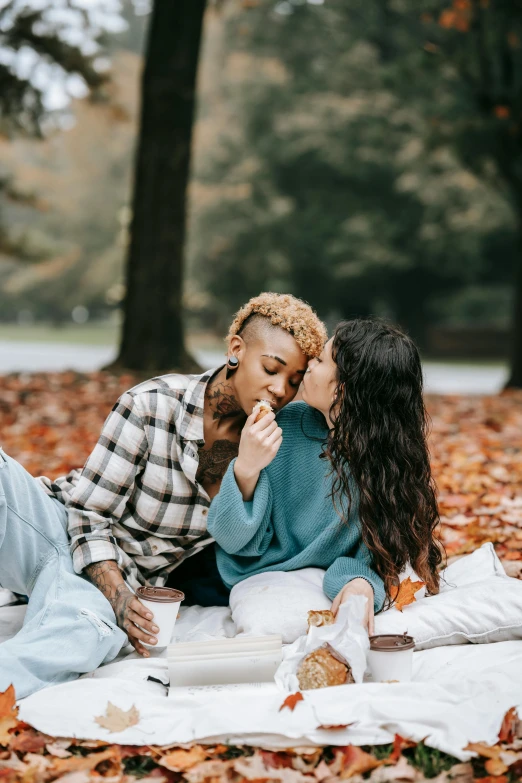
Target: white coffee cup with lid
(390, 657)
(163, 603)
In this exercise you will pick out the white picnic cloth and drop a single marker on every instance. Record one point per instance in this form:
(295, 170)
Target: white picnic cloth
(459, 694)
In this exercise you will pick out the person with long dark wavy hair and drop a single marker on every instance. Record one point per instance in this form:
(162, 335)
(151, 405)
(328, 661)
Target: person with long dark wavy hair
(349, 487)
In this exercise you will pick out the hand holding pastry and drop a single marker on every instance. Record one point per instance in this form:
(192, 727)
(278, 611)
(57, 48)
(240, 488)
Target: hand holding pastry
(260, 441)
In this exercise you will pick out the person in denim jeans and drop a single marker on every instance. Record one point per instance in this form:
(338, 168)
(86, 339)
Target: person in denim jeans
(69, 627)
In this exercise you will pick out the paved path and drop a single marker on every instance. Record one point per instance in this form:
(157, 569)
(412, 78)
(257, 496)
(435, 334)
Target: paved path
(54, 357)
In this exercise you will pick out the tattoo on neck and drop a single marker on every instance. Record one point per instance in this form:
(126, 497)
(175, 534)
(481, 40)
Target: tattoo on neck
(222, 401)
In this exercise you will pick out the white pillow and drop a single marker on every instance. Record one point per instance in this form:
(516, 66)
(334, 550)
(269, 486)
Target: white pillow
(479, 565)
(479, 612)
(477, 603)
(278, 602)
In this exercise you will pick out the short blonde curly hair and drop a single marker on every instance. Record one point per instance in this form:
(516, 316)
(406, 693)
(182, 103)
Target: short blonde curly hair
(289, 313)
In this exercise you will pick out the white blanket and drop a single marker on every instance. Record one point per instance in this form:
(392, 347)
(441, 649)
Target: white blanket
(459, 694)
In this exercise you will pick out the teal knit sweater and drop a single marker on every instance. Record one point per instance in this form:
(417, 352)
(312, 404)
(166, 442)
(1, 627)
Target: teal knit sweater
(290, 523)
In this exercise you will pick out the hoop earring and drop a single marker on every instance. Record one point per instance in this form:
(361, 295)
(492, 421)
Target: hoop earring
(232, 365)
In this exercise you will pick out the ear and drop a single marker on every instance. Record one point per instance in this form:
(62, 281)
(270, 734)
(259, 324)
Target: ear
(237, 347)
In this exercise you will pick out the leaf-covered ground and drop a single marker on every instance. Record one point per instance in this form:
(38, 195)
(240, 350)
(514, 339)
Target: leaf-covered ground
(50, 423)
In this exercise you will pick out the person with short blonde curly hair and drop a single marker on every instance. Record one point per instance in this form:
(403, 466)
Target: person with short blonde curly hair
(286, 312)
(136, 514)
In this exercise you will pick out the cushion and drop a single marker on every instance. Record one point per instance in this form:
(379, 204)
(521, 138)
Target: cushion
(477, 603)
(278, 602)
(478, 612)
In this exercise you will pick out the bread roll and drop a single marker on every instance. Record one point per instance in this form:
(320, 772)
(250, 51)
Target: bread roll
(318, 618)
(262, 407)
(320, 669)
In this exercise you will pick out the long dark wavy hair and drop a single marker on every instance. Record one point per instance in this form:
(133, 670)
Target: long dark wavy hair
(379, 438)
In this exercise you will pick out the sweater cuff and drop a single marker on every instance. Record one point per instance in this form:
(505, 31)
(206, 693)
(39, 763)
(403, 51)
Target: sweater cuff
(341, 573)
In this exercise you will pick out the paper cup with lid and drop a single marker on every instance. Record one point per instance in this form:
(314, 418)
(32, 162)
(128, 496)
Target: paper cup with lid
(390, 657)
(164, 604)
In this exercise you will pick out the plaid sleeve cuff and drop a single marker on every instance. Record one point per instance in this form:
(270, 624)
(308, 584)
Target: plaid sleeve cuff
(93, 551)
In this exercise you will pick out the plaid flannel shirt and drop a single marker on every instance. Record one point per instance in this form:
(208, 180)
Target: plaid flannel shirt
(137, 500)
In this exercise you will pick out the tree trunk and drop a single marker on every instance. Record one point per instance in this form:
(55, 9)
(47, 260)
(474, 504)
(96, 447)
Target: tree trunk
(153, 335)
(515, 377)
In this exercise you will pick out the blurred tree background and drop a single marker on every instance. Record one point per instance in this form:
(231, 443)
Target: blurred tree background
(362, 154)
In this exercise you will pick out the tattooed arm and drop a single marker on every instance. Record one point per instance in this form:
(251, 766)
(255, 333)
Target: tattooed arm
(128, 609)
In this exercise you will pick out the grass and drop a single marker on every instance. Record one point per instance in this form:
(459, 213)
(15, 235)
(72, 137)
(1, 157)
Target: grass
(103, 333)
(96, 333)
(107, 333)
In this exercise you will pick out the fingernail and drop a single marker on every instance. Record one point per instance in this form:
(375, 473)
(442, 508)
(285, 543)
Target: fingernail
(146, 655)
(148, 616)
(155, 628)
(152, 640)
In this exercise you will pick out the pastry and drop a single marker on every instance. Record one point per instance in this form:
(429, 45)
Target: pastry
(261, 409)
(320, 669)
(320, 618)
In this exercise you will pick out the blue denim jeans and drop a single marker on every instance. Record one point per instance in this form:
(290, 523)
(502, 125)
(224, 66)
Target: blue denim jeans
(69, 627)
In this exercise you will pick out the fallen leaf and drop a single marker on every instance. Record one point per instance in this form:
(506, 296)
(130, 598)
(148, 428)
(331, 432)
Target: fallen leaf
(79, 763)
(181, 760)
(399, 744)
(37, 764)
(291, 701)
(275, 760)
(461, 773)
(58, 750)
(402, 771)
(495, 767)
(356, 762)
(509, 725)
(116, 719)
(28, 741)
(322, 771)
(8, 715)
(491, 779)
(487, 751)
(454, 501)
(213, 769)
(405, 594)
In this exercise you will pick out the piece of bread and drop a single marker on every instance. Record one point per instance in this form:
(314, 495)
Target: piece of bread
(318, 618)
(320, 669)
(262, 408)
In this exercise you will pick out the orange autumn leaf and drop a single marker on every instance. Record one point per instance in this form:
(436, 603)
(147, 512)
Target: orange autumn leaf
(86, 763)
(400, 744)
(356, 762)
(516, 555)
(495, 767)
(291, 701)
(181, 760)
(486, 751)
(8, 715)
(493, 779)
(405, 594)
(509, 725)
